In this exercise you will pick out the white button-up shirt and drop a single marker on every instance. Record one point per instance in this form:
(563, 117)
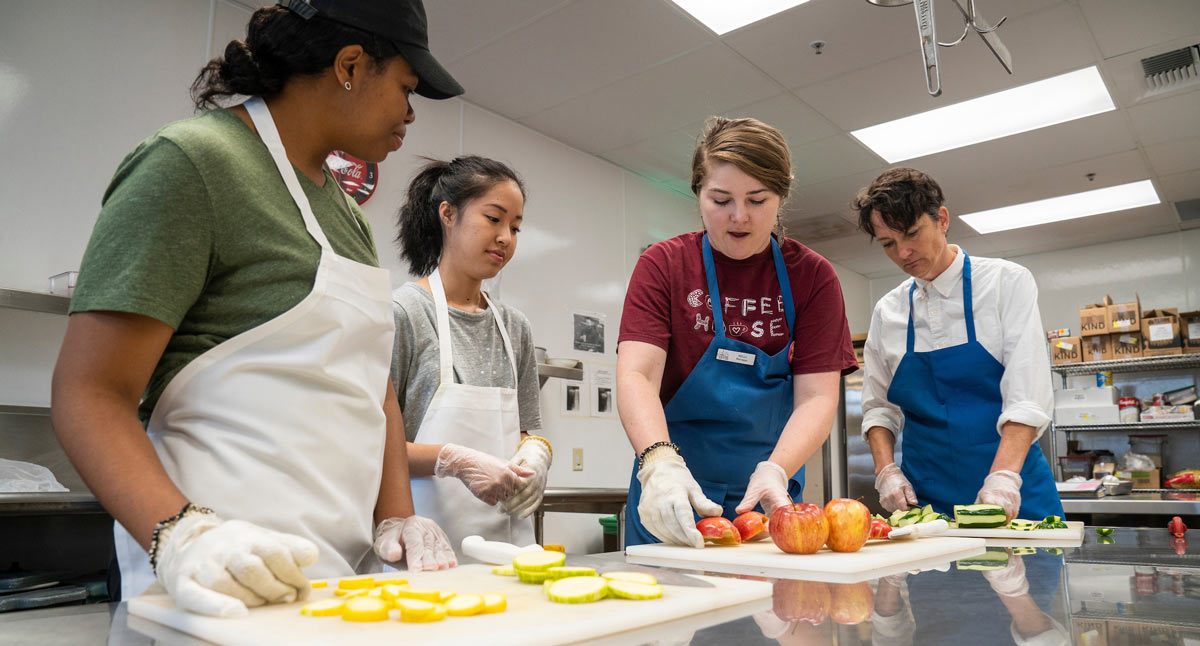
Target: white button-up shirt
(1007, 324)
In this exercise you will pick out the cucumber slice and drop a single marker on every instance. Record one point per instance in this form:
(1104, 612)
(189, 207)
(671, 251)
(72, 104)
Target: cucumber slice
(465, 605)
(504, 570)
(578, 589)
(908, 520)
(637, 591)
(926, 510)
(538, 561)
(634, 577)
(979, 516)
(1022, 525)
(1104, 531)
(933, 515)
(563, 572)
(995, 558)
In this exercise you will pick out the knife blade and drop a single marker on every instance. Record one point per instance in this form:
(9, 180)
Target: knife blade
(501, 553)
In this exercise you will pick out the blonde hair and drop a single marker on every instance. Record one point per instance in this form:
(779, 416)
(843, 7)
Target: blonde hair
(754, 147)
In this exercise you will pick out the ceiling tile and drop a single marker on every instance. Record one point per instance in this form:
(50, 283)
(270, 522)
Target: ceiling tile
(1043, 44)
(571, 51)
(665, 158)
(826, 159)
(1168, 119)
(706, 81)
(1174, 156)
(799, 123)
(459, 26)
(1123, 26)
(830, 196)
(823, 228)
(1181, 186)
(847, 247)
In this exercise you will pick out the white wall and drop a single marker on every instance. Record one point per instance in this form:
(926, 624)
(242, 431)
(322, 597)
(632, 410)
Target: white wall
(80, 87)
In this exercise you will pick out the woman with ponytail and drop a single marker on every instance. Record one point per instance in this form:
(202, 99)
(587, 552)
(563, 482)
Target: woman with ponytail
(463, 364)
(223, 383)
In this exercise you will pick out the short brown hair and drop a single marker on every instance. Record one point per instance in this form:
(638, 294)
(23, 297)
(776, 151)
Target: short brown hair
(752, 146)
(902, 196)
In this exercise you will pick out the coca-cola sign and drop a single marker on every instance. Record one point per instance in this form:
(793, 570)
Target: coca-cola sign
(357, 177)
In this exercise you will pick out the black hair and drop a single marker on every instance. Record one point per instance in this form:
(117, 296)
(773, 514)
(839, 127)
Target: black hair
(419, 227)
(902, 196)
(280, 45)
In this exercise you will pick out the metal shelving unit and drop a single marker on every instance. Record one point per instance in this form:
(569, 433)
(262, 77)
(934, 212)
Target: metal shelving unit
(18, 299)
(1128, 365)
(1133, 427)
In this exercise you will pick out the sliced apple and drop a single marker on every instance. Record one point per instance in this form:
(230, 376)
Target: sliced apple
(718, 530)
(752, 526)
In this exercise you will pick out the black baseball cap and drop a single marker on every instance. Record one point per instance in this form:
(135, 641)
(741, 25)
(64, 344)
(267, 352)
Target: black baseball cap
(401, 22)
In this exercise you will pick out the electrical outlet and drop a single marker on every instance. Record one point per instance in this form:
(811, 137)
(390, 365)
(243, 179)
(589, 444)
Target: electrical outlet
(577, 459)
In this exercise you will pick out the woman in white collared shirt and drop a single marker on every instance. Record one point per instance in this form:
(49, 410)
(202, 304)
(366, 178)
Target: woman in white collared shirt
(955, 358)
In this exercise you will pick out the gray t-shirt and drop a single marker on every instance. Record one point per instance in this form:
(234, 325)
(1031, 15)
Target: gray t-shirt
(479, 357)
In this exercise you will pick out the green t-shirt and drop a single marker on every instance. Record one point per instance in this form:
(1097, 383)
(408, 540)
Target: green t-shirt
(198, 230)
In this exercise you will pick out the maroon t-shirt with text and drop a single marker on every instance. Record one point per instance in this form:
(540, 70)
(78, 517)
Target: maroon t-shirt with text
(668, 305)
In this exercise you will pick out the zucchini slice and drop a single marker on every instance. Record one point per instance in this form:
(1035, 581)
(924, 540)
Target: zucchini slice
(563, 572)
(538, 561)
(635, 577)
(636, 591)
(979, 516)
(1022, 525)
(578, 589)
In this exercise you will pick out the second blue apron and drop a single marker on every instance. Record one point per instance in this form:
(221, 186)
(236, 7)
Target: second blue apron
(726, 417)
(951, 401)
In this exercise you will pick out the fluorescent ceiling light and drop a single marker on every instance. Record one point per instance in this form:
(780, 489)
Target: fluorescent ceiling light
(1044, 103)
(1065, 207)
(724, 16)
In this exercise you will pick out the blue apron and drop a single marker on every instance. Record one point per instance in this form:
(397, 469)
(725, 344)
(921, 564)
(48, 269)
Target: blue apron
(726, 417)
(951, 401)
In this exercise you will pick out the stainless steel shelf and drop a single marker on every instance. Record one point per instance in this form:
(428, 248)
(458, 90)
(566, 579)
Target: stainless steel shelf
(17, 299)
(1132, 427)
(1129, 365)
(547, 371)
(1134, 503)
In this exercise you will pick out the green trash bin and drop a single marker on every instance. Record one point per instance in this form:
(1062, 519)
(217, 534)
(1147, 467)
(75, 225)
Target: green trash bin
(612, 541)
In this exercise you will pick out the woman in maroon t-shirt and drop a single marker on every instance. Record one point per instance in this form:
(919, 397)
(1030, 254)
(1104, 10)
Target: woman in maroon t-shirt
(722, 407)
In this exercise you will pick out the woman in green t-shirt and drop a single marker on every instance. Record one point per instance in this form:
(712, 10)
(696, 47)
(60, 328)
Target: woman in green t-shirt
(232, 289)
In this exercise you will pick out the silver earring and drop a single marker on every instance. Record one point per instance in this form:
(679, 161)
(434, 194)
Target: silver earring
(347, 86)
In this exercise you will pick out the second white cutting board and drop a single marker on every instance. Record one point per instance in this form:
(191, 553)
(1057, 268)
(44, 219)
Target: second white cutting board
(1072, 536)
(530, 618)
(875, 559)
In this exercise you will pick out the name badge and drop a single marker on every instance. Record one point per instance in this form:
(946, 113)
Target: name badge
(744, 358)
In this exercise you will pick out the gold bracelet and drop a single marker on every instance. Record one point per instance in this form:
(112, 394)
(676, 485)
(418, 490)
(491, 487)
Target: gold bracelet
(539, 438)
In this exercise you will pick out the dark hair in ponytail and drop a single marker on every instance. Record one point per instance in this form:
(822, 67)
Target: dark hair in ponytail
(279, 45)
(457, 182)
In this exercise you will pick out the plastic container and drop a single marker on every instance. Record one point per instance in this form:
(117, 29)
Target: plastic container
(63, 284)
(612, 541)
(1075, 465)
(1103, 378)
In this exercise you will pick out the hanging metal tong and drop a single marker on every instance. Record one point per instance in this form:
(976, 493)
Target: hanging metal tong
(927, 31)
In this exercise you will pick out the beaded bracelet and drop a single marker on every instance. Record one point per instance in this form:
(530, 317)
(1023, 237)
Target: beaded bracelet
(656, 445)
(539, 438)
(164, 526)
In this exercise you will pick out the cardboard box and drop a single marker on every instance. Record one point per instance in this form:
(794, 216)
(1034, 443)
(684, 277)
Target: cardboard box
(1125, 317)
(1066, 350)
(1085, 396)
(1142, 479)
(1087, 414)
(1090, 632)
(1189, 328)
(1160, 333)
(1097, 348)
(1093, 319)
(1126, 345)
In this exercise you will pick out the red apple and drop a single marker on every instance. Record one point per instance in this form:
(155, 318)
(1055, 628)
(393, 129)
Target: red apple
(798, 528)
(851, 603)
(718, 531)
(752, 525)
(880, 528)
(849, 524)
(793, 600)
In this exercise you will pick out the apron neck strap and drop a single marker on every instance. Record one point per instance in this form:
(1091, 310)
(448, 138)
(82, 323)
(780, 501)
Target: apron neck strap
(446, 344)
(785, 286)
(260, 115)
(968, 304)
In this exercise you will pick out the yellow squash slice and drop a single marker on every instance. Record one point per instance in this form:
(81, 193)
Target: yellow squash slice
(365, 609)
(356, 583)
(421, 594)
(465, 605)
(319, 584)
(417, 611)
(381, 581)
(323, 608)
(494, 602)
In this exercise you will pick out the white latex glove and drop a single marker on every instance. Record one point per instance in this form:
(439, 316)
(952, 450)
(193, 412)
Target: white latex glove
(771, 625)
(768, 485)
(669, 493)
(488, 477)
(1002, 488)
(425, 544)
(1010, 581)
(534, 456)
(895, 491)
(221, 568)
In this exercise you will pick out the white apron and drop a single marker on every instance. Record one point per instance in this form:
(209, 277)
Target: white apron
(480, 417)
(283, 424)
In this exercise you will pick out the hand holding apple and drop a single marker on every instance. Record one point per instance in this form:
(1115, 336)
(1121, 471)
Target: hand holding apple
(718, 531)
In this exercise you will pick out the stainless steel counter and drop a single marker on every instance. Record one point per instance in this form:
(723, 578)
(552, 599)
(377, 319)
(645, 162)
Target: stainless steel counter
(1168, 504)
(1136, 586)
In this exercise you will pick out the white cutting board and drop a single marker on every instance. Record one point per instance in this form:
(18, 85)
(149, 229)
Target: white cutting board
(530, 619)
(1072, 536)
(875, 559)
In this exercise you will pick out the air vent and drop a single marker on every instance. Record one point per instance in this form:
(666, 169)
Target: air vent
(1172, 70)
(1188, 210)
